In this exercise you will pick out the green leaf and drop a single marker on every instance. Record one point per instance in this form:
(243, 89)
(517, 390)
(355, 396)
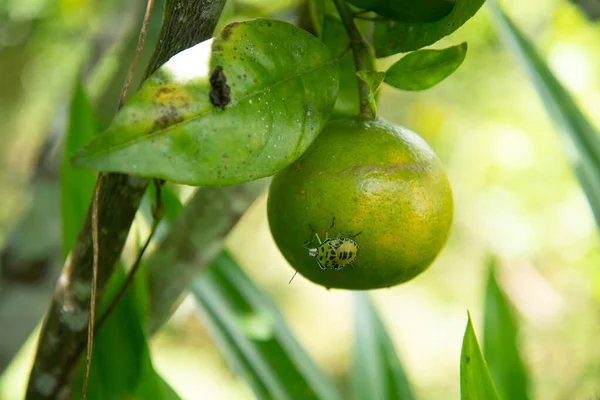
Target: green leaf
(373, 79)
(121, 365)
(399, 37)
(475, 380)
(500, 343)
(377, 373)
(582, 144)
(408, 10)
(423, 69)
(273, 84)
(253, 336)
(77, 186)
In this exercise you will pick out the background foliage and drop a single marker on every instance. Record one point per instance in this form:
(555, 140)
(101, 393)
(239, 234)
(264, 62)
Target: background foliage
(515, 193)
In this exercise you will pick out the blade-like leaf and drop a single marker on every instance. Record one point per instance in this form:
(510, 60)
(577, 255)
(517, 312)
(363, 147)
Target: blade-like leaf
(561, 108)
(253, 336)
(121, 365)
(500, 343)
(408, 10)
(377, 373)
(475, 380)
(272, 86)
(77, 186)
(423, 69)
(373, 79)
(398, 37)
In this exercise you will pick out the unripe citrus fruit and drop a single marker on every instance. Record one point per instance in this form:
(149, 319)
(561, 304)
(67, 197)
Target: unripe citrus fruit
(374, 178)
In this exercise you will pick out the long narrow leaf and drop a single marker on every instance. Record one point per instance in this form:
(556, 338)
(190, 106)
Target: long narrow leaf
(475, 380)
(377, 373)
(253, 336)
(500, 345)
(561, 108)
(121, 364)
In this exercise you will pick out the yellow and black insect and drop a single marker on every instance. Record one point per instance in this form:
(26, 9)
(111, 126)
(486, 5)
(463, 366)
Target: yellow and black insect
(333, 253)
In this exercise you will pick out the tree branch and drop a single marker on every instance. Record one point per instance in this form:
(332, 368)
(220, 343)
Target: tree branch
(186, 23)
(194, 240)
(360, 50)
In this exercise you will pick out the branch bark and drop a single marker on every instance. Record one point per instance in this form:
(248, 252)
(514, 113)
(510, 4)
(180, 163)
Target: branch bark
(186, 23)
(193, 241)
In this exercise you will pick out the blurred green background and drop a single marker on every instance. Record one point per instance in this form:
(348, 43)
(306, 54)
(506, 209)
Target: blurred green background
(515, 197)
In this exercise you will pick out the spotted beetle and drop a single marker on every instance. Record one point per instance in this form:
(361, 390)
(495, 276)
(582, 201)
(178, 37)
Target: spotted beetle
(332, 253)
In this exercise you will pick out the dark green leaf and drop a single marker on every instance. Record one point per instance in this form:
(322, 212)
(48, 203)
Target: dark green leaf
(377, 373)
(373, 80)
(561, 108)
(500, 343)
(77, 186)
(475, 380)
(121, 365)
(423, 69)
(253, 336)
(273, 84)
(400, 37)
(408, 10)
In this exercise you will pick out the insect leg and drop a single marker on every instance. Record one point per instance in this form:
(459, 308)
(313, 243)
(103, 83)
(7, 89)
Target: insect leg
(320, 265)
(312, 233)
(327, 231)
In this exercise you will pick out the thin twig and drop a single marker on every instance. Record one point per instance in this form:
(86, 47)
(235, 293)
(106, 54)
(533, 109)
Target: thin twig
(131, 274)
(360, 51)
(95, 245)
(138, 52)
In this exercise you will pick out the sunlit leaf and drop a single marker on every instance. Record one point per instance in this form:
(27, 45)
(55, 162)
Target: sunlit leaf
(253, 336)
(273, 86)
(579, 134)
(77, 186)
(500, 345)
(408, 10)
(423, 69)
(373, 79)
(398, 37)
(121, 364)
(377, 373)
(475, 380)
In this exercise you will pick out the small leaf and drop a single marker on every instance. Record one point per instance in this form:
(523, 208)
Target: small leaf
(581, 144)
(373, 79)
(400, 37)
(77, 186)
(377, 373)
(253, 336)
(408, 10)
(500, 343)
(272, 86)
(423, 69)
(475, 380)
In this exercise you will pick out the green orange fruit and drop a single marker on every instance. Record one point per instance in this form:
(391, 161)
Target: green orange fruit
(375, 178)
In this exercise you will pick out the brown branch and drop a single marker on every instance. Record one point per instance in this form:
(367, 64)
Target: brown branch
(64, 329)
(192, 243)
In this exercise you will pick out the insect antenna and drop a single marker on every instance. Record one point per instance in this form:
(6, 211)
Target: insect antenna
(293, 277)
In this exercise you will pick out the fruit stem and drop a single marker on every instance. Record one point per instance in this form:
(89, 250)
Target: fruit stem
(360, 50)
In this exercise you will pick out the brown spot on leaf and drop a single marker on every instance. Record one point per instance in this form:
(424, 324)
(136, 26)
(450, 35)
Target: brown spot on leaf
(220, 91)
